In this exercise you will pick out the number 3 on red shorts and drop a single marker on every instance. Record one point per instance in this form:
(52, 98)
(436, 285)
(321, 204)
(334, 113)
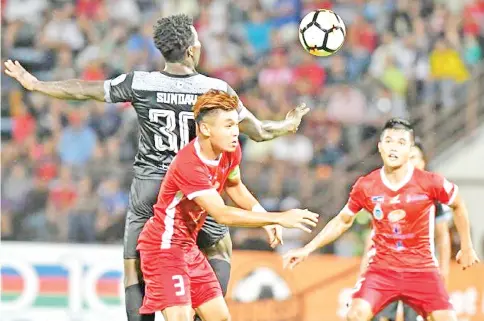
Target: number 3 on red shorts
(179, 285)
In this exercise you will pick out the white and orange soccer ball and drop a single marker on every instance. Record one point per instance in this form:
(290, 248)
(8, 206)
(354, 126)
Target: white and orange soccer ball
(322, 32)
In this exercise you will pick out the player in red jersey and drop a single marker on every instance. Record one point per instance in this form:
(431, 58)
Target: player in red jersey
(401, 199)
(178, 276)
(396, 310)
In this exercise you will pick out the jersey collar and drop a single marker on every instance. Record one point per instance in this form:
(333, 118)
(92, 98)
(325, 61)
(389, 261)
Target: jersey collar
(210, 162)
(404, 182)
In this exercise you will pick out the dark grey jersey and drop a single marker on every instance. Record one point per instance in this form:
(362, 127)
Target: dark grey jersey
(163, 103)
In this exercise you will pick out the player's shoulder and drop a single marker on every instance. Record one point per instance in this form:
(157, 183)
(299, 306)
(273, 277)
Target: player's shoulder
(424, 176)
(145, 80)
(187, 155)
(369, 179)
(212, 83)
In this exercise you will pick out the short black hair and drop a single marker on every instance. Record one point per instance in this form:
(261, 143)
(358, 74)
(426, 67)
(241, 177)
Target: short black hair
(399, 123)
(173, 35)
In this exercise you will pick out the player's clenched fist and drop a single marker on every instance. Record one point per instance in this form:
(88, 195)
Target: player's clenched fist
(298, 219)
(467, 258)
(15, 70)
(294, 257)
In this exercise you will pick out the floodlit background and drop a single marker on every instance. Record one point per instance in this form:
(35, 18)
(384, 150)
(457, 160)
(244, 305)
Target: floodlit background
(66, 166)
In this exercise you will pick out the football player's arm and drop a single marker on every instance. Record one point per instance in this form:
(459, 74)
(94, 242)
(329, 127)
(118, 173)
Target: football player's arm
(442, 235)
(71, 89)
(238, 192)
(341, 222)
(263, 130)
(195, 184)
(447, 193)
(232, 216)
(461, 221)
(243, 198)
(333, 230)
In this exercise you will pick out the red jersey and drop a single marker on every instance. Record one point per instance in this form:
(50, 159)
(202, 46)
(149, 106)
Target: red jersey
(177, 218)
(403, 217)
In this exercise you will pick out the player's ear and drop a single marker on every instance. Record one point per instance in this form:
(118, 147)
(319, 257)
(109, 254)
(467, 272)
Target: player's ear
(190, 52)
(379, 147)
(204, 129)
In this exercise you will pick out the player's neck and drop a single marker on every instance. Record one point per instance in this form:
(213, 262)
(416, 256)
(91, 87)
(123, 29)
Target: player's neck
(206, 150)
(396, 175)
(179, 69)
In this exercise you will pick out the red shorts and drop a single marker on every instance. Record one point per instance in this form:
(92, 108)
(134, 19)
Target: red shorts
(176, 277)
(424, 291)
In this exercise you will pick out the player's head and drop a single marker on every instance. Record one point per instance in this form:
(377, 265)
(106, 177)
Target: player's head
(396, 142)
(177, 39)
(417, 154)
(216, 116)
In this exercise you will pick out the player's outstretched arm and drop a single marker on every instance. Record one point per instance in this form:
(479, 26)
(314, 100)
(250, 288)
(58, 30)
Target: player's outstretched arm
(72, 89)
(466, 256)
(228, 215)
(243, 198)
(265, 130)
(334, 229)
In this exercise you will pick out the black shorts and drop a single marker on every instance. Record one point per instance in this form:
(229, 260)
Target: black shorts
(142, 197)
(211, 233)
(390, 312)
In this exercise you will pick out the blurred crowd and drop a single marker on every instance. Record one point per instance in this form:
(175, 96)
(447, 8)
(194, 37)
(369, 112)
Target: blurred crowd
(66, 166)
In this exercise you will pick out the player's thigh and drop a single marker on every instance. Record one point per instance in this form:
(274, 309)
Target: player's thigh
(214, 310)
(375, 289)
(221, 250)
(409, 314)
(214, 240)
(443, 315)
(425, 299)
(389, 312)
(167, 280)
(178, 313)
(204, 285)
(134, 226)
(142, 197)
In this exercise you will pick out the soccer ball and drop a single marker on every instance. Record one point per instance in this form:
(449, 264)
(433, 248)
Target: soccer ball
(261, 284)
(322, 32)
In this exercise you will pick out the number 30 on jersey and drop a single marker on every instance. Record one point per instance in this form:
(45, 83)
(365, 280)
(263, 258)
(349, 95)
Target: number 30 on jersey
(169, 140)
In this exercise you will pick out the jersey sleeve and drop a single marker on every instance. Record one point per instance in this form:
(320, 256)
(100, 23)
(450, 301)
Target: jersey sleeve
(193, 180)
(119, 89)
(241, 109)
(442, 190)
(356, 200)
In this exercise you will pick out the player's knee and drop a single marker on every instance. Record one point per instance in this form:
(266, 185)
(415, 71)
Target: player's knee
(222, 271)
(177, 313)
(443, 315)
(357, 314)
(132, 272)
(224, 315)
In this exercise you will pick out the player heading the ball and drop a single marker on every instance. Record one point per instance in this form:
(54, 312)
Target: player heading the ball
(402, 200)
(177, 274)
